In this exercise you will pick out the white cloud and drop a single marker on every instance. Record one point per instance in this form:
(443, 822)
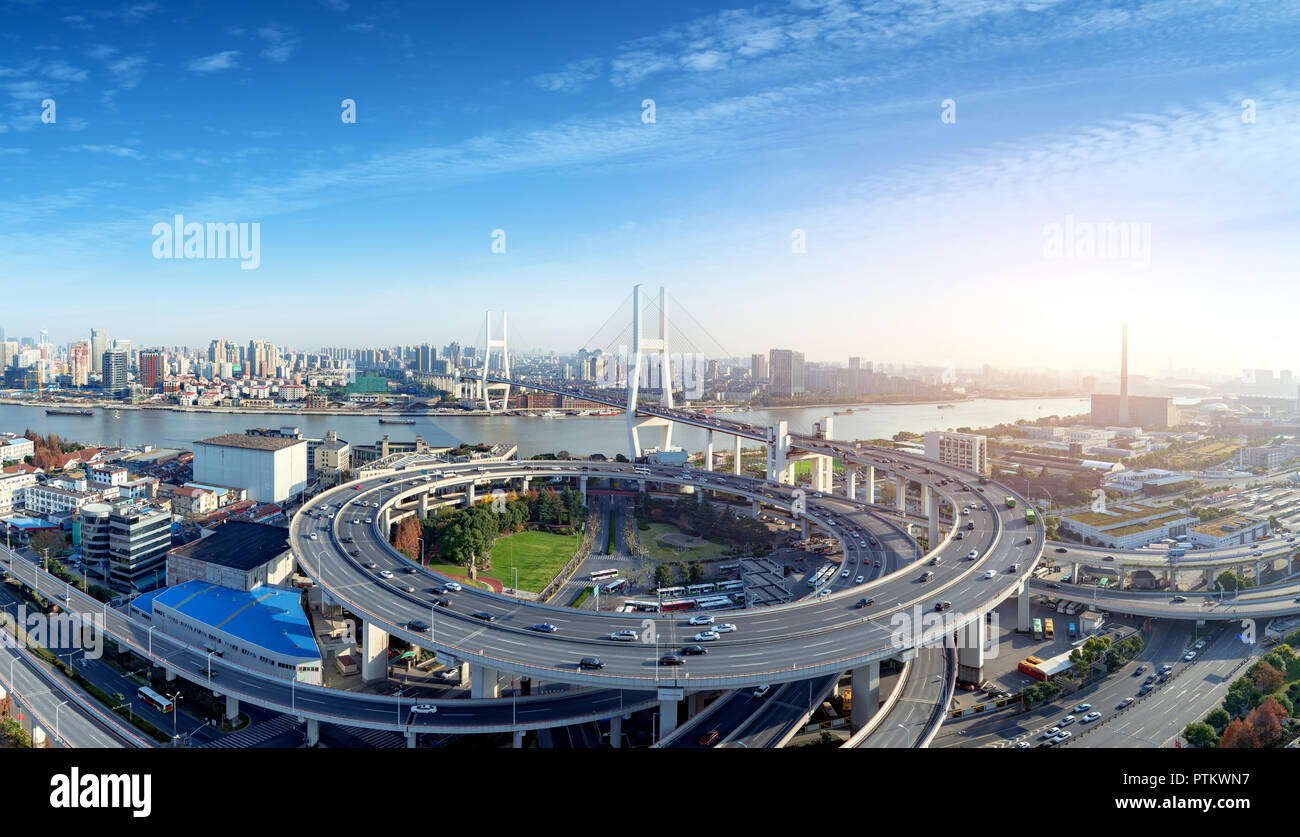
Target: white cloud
(280, 42)
(572, 77)
(115, 150)
(215, 62)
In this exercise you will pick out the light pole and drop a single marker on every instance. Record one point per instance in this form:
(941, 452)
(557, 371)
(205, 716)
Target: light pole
(907, 736)
(58, 737)
(176, 710)
(151, 627)
(422, 561)
(210, 653)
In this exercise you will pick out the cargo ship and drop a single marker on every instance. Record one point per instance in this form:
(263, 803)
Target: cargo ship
(396, 421)
(56, 412)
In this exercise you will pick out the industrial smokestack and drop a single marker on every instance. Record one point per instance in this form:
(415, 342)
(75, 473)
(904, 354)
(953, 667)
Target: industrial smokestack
(1123, 377)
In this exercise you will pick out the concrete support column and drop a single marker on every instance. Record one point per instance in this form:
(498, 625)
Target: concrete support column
(582, 484)
(932, 509)
(641, 485)
(1122, 573)
(483, 682)
(866, 694)
(1023, 622)
(374, 653)
(410, 739)
(383, 523)
(900, 488)
(803, 528)
(232, 707)
(753, 509)
(469, 494)
(669, 697)
(1209, 580)
(970, 654)
(708, 450)
(693, 701)
(853, 483)
(616, 732)
(313, 732)
(518, 740)
(424, 505)
(1257, 566)
(735, 458)
(871, 483)
(1074, 572)
(170, 673)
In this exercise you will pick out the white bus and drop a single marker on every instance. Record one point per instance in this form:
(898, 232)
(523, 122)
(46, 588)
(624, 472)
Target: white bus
(154, 699)
(601, 575)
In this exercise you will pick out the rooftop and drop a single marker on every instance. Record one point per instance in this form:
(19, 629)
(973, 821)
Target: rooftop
(238, 545)
(270, 617)
(240, 440)
(1116, 515)
(1227, 525)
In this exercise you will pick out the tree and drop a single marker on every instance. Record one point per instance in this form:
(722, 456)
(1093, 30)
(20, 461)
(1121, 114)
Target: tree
(1085, 656)
(407, 538)
(1219, 719)
(1242, 697)
(1267, 679)
(1201, 735)
(663, 576)
(49, 544)
(1266, 722)
(1238, 736)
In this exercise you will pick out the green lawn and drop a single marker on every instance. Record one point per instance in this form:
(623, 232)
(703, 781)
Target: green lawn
(537, 555)
(803, 468)
(659, 552)
(458, 572)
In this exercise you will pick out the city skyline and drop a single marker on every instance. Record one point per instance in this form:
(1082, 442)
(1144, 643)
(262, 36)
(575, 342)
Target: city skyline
(778, 126)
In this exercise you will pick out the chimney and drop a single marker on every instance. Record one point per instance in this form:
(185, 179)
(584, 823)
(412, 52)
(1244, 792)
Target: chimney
(1123, 377)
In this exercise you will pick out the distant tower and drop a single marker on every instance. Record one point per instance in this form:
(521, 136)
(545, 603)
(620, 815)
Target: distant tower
(1123, 378)
(490, 343)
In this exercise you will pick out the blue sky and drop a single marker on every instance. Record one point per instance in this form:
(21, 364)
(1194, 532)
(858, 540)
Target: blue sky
(924, 239)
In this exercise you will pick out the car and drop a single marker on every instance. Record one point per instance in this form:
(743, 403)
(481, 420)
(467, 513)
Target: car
(406, 588)
(671, 660)
(368, 521)
(1062, 737)
(371, 565)
(926, 576)
(823, 594)
(970, 527)
(453, 586)
(418, 625)
(724, 628)
(702, 619)
(989, 573)
(983, 507)
(1146, 687)
(965, 511)
(625, 635)
(484, 615)
(1028, 541)
(590, 662)
(1020, 745)
(1257, 554)
(1051, 733)
(437, 589)
(935, 561)
(762, 690)
(545, 628)
(1151, 678)
(707, 636)
(1164, 669)
(1083, 707)
(356, 553)
(960, 536)
(441, 602)
(1067, 720)
(409, 570)
(844, 574)
(942, 606)
(708, 738)
(861, 603)
(205, 671)
(1124, 703)
(860, 579)
(1137, 671)
(1189, 656)
(1109, 558)
(349, 540)
(1199, 645)
(972, 555)
(694, 650)
(1062, 549)
(385, 574)
(312, 536)
(1014, 568)
(1179, 599)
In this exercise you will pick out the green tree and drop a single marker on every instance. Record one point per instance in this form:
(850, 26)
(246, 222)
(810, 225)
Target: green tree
(663, 576)
(1201, 735)
(1219, 719)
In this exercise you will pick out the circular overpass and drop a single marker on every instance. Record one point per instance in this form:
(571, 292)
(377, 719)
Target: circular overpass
(771, 644)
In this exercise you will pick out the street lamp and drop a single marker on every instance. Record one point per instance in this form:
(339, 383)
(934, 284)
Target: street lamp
(151, 627)
(907, 736)
(57, 737)
(176, 710)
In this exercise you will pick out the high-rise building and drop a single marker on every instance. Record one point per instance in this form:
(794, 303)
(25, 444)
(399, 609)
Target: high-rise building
(98, 345)
(786, 372)
(79, 363)
(758, 367)
(113, 363)
(151, 368)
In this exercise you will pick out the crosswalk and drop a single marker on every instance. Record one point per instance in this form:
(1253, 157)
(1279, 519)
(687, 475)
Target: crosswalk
(380, 738)
(256, 734)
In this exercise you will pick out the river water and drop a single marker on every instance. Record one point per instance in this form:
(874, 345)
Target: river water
(580, 435)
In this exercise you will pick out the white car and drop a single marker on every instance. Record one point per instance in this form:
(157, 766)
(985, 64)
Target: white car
(623, 636)
(702, 619)
(312, 536)
(844, 574)
(724, 628)
(860, 579)
(424, 709)
(989, 573)
(972, 555)
(707, 636)
(453, 586)
(825, 592)
(762, 690)
(1189, 656)
(385, 574)
(1090, 717)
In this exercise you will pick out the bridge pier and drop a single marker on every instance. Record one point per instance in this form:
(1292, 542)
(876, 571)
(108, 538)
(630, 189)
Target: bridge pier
(931, 503)
(900, 489)
(483, 682)
(582, 484)
(708, 450)
(970, 653)
(1023, 622)
(232, 707)
(374, 653)
(469, 495)
(803, 528)
(735, 458)
(170, 673)
(852, 482)
(753, 509)
(616, 732)
(866, 694)
(410, 739)
(669, 697)
(313, 732)
(424, 505)
(517, 740)
(871, 483)
(778, 445)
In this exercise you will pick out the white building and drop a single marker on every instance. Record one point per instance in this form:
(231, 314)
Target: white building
(12, 489)
(15, 448)
(102, 475)
(272, 469)
(1233, 530)
(962, 450)
(45, 500)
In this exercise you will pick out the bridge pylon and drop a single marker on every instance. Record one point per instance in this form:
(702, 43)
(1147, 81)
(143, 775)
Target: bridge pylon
(490, 343)
(649, 358)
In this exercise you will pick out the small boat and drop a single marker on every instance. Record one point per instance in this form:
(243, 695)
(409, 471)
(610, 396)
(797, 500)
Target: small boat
(950, 406)
(605, 413)
(396, 421)
(843, 412)
(57, 412)
(550, 414)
